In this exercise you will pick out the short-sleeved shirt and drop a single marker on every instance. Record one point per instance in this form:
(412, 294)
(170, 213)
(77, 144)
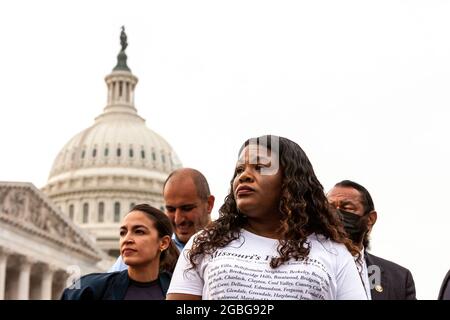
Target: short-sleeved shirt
(241, 270)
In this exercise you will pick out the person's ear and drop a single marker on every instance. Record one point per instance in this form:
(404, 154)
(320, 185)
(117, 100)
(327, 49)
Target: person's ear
(211, 200)
(372, 219)
(164, 243)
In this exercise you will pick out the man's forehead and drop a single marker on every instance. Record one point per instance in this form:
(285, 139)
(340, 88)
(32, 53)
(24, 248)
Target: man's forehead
(177, 204)
(181, 188)
(180, 181)
(181, 200)
(344, 193)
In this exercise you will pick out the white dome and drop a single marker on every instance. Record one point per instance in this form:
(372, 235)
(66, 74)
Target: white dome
(106, 169)
(117, 141)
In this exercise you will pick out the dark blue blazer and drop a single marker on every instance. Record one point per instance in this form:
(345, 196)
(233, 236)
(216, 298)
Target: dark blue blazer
(397, 282)
(444, 293)
(106, 286)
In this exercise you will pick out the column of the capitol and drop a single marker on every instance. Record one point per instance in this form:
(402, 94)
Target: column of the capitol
(47, 282)
(3, 263)
(24, 278)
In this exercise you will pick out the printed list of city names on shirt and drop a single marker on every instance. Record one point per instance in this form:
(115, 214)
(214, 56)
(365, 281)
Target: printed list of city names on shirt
(233, 277)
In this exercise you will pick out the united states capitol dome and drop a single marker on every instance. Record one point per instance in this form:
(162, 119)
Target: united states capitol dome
(114, 164)
(118, 140)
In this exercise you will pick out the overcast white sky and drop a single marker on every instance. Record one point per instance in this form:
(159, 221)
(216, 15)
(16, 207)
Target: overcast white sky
(362, 86)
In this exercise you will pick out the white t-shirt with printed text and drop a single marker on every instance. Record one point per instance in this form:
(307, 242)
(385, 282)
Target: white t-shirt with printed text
(241, 270)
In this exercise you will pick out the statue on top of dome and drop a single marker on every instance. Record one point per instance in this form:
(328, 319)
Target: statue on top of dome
(122, 57)
(123, 39)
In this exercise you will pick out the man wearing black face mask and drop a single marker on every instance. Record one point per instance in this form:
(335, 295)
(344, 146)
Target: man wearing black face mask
(386, 280)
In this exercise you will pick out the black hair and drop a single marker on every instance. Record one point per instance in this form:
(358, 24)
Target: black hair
(303, 209)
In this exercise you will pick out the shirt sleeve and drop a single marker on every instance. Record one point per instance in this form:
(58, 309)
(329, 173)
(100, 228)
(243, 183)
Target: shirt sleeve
(185, 279)
(410, 293)
(348, 279)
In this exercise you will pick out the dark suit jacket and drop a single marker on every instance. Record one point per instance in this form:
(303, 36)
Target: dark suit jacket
(444, 293)
(396, 282)
(106, 286)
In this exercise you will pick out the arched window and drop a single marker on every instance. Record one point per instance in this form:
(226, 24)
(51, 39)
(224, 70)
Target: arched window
(106, 151)
(71, 212)
(101, 212)
(116, 212)
(85, 212)
(94, 153)
(132, 205)
(119, 152)
(143, 154)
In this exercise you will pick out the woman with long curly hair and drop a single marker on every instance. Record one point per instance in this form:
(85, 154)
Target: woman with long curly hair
(276, 236)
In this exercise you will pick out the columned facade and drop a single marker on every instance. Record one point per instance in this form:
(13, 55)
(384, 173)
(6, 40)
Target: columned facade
(22, 278)
(41, 251)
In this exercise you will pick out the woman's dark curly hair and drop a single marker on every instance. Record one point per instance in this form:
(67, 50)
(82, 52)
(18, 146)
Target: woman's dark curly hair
(303, 207)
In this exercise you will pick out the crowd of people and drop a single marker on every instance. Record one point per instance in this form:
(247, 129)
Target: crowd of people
(278, 236)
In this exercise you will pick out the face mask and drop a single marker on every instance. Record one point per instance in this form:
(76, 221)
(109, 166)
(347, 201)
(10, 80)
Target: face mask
(353, 225)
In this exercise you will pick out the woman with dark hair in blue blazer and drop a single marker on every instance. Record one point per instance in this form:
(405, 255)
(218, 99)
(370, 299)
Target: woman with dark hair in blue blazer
(146, 247)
